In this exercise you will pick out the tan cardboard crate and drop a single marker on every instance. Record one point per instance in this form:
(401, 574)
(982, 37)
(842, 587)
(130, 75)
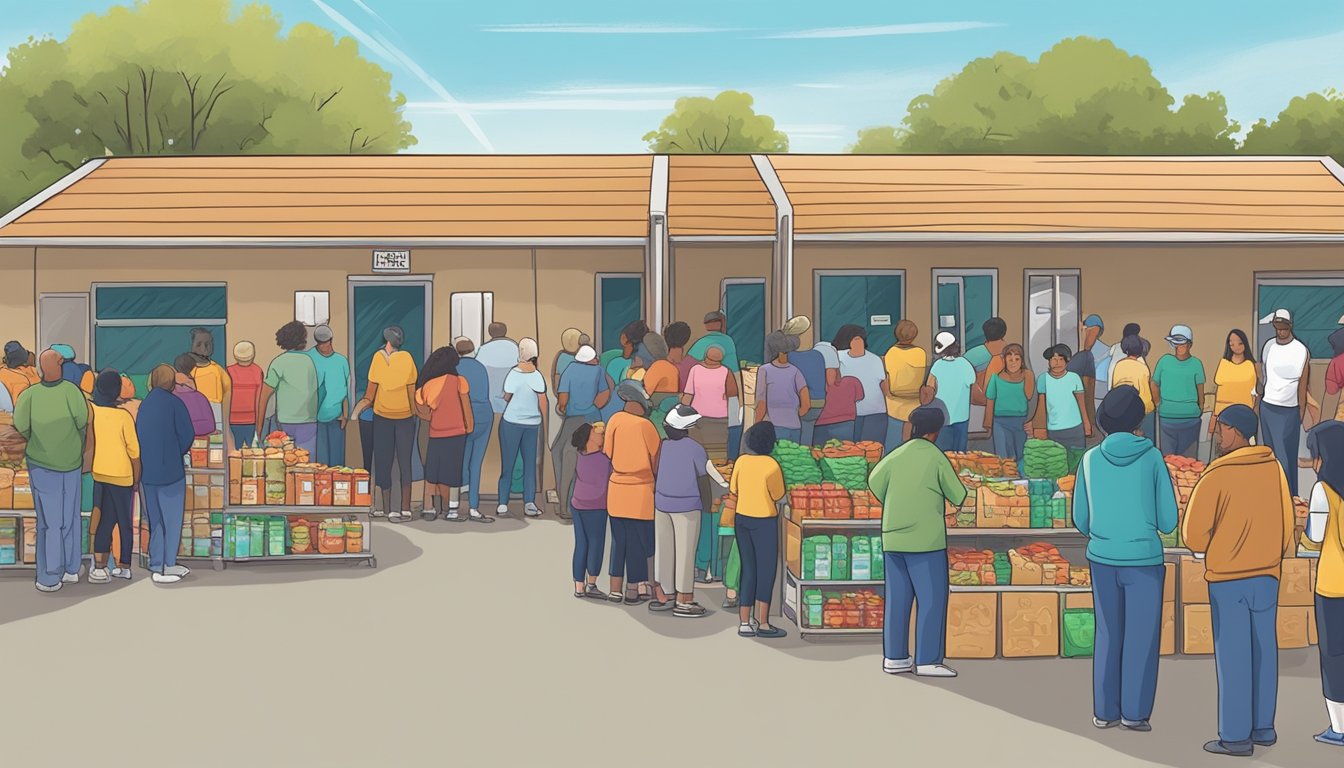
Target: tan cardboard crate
(972, 625)
(1168, 646)
(1197, 630)
(1078, 600)
(1029, 624)
(1295, 585)
(1294, 629)
(1169, 584)
(1194, 589)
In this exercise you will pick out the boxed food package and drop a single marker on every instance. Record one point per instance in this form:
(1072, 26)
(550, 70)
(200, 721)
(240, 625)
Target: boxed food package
(1293, 626)
(322, 488)
(972, 625)
(1078, 630)
(23, 490)
(1030, 624)
(29, 540)
(236, 465)
(1194, 589)
(200, 495)
(810, 615)
(256, 537)
(6, 488)
(363, 494)
(9, 540)
(1003, 504)
(1198, 630)
(215, 443)
(235, 493)
(199, 457)
(275, 537)
(1168, 637)
(253, 492)
(1295, 585)
(342, 489)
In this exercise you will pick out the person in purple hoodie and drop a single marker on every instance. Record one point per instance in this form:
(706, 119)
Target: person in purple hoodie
(198, 406)
(678, 501)
(163, 426)
(588, 504)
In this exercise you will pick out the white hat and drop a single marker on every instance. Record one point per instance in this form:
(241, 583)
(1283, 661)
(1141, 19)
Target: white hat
(943, 341)
(527, 349)
(586, 354)
(1276, 316)
(682, 417)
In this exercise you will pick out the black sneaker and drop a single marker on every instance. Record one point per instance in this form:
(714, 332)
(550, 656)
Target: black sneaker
(689, 610)
(660, 607)
(593, 593)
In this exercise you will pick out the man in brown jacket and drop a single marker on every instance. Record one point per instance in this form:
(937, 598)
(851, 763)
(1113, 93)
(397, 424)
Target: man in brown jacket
(1240, 520)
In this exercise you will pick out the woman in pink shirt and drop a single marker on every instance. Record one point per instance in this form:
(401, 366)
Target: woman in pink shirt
(708, 388)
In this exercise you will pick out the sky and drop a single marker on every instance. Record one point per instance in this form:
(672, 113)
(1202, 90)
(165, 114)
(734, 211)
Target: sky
(520, 76)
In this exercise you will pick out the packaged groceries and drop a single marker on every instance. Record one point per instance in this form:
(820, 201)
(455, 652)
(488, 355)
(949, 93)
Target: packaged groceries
(982, 464)
(1046, 459)
(850, 472)
(797, 464)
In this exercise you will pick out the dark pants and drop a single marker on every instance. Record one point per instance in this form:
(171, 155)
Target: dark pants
(477, 443)
(1330, 631)
(1128, 604)
(590, 538)
(871, 428)
(1149, 427)
(915, 577)
(953, 437)
(330, 443)
(1010, 436)
(810, 422)
(1180, 437)
(1281, 429)
(758, 543)
(114, 504)
(895, 435)
(734, 442)
(631, 541)
(392, 439)
(243, 434)
(787, 433)
(366, 443)
(515, 440)
(843, 430)
(1246, 654)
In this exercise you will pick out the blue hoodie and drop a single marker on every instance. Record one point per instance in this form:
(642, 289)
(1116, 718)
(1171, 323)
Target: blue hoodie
(1123, 498)
(163, 425)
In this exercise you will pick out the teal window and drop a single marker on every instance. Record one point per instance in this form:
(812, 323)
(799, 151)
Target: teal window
(377, 306)
(744, 306)
(138, 327)
(620, 301)
(963, 301)
(1317, 306)
(874, 301)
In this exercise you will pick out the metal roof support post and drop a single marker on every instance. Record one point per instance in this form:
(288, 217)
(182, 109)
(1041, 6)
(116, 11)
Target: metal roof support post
(782, 264)
(655, 255)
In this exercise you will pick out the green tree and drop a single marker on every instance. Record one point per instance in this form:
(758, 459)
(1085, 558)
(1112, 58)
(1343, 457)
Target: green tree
(1310, 125)
(1083, 96)
(171, 77)
(725, 124)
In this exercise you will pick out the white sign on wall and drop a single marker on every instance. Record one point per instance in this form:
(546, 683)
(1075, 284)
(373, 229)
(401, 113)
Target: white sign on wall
(876, 320)
(392, 261)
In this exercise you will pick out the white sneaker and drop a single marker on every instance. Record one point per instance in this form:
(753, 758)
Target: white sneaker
(177, 570)
(44, 588)
(453, 506)
(898, 666)
(451, 515)
(935, 670)
(166, 578)
(532, 510)
(375, 512)
(70, 578)
(99, 576)
(121, 573)
(502, 510)
(399, 517)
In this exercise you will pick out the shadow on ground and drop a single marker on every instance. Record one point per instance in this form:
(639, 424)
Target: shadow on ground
(19, 599)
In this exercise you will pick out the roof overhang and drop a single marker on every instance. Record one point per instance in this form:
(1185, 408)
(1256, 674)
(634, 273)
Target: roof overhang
(723, 239)
(1070, 237)
(323, 242)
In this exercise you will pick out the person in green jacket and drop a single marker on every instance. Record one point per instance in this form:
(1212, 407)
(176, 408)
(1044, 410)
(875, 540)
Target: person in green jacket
(54, 418)
(1122, 499)
(915, 483)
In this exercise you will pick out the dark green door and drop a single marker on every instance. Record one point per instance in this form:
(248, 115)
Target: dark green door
(871, 301)
(375, 306)
(621, 300)
(744, 304)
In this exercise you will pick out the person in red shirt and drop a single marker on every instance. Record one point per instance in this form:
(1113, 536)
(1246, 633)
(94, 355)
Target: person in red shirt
(246, 377)
(443, 398)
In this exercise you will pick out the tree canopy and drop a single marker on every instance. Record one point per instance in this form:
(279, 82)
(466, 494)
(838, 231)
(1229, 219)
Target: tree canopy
(165, 77)
(725, 124)
(1309, 125)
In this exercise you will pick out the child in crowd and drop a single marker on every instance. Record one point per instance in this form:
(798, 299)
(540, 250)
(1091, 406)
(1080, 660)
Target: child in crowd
(588, 503)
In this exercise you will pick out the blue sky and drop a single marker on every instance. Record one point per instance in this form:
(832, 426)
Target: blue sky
(589, 76)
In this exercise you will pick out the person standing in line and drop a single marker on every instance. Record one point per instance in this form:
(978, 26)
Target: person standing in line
(678, 504)
(1123, 499)
(519, 428)
(1132, 370)
(1285, 372)
(116, 472)
(1117, 354)
(1178, 391)
(851, 342)
(1008, 397)
(987, 358)
(569, 347)
(443, 399)
(391, 393)
(1084, 363)
(1094, 328)
(661, 378)
(292, 378)
(1325, 528)
(1234, 382)
(53, 417)
(73, 371)
(499, 355)
(246, 378)
(631, 442)
(716, 335)
(588, 502)
(838, 416)
(812, 364)
(333, 395)
(678, 337)
(579, 399)
(17, 375)
(710, 387)
(478, 437)
(1333, 405)
(907, 370)
(952, 378)
(164, 430)
(211, 380)
(198, 405)
(915, 483)
(781, 390)
(1062, 412)
(758, 483)
(1240, 521)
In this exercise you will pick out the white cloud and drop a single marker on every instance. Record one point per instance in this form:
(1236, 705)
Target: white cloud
(627, 90)
(389, 52)
(549, 105)
(882, 30)
(604, 29)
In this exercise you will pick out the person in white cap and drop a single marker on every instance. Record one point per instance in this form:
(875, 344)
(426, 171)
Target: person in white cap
(1284, 372)
(519, 427)
(678, 500)
(1178, 392)
(951, 377)
(579, 398)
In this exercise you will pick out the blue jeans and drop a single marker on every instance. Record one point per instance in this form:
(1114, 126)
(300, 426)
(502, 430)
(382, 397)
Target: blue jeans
(1010, 436)
(810, 423)
(843, 430)
(953, 437)
(590, 538)
(631, 541)
(758, 544)
(895, 435)
(1281, 429)
(330, 443)
(1180, 437)
(1246, 654)
(243, 434)
(734, 442)
(515, 440)
(1128, 604)
(56, 499)
(872, 427)
(915, 577)
(785, 433)
(474, 456)
(164, 504)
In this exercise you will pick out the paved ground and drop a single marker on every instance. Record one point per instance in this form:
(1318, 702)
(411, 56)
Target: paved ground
(465, 647)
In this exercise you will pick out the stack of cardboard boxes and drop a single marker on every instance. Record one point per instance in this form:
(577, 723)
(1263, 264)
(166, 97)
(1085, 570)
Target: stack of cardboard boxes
(1296, 620)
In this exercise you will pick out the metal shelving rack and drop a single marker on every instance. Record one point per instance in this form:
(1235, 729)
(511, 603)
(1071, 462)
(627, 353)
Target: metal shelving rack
(366, 555)
(30, 514)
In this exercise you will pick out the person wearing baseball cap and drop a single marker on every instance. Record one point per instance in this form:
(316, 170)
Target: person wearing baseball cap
(952, 377)
(17, 375)
(1178, 393)
(333, 386)
(579, 398)
(520, 428)
(1240, 520)
(1284, 373)
(245, 379)
(678, 503)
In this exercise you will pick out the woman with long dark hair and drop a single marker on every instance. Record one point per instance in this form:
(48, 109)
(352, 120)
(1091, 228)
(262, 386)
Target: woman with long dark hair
(1326, 445)
(1234, 382)
(758, 484)
(443, 399)
(116, 470)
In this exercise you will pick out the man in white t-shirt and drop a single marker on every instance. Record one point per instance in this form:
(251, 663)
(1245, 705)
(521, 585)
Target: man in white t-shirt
(1284, 371)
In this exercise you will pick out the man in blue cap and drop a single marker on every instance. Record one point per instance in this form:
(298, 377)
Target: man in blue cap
(1178, 392)
(76, 373)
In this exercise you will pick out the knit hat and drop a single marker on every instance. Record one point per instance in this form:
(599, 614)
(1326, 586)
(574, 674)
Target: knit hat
(66, 351)
(1121, 411)
(1240, 418)
(322, 334)
(244, 352)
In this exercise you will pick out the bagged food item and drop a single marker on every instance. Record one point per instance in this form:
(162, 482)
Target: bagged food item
(1045, 459)
(301, 537)
(23, 490)
(850, 472)
(342, 488)
(354, 537)
(331, 539)
(797, 464)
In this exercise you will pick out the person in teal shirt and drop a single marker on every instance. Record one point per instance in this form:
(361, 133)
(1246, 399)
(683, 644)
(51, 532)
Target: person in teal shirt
(1178, 392)
(952, 377)
(333, 396)
(1008, 397)
(1063, 405)
(915, 483)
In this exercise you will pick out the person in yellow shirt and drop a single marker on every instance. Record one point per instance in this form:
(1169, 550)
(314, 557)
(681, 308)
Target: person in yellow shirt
(17, 375)
(211, 378)
(1133, 370)
(758, 484)
(391, 391)
(1325, 529)
(1234, 382)
(116, 470)
(907, 371)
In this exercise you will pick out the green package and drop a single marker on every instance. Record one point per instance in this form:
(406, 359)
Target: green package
(1077, 632)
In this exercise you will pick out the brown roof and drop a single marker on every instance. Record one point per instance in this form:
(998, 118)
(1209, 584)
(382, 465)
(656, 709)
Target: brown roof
(998, 193)
(403, 196)
(717, 195)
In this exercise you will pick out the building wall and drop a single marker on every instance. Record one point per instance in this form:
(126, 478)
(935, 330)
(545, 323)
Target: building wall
(18, 310)
(698, 271)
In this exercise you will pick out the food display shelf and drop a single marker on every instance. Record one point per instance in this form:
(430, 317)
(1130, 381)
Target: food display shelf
(1020, 532)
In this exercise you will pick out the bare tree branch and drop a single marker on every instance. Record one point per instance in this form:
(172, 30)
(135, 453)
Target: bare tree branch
(53, 159)
(327, 100)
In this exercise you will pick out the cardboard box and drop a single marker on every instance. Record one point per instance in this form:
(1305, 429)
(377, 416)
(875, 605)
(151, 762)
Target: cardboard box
(793, 548)
(235, 493)
(1025, 573)
(1293, 626)
(1194, 589)
(1314, 563)
(1030, 624)
(1168, 645)
(1295, 584)
(1169, 585)
(23, 491)
(1078, 600)
(216, 497)
(972, 625)
(1198, 630)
